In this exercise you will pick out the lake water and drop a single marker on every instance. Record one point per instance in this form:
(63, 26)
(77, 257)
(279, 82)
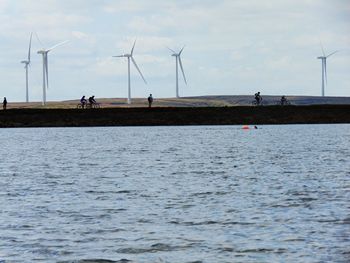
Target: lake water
(175, 194)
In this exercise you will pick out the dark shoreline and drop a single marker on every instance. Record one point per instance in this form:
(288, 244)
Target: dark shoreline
(240, 115)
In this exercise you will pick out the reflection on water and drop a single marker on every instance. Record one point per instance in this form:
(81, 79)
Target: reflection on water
(175, 194)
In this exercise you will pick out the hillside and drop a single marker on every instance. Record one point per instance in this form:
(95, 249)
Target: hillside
(138, 116)
(201, 101)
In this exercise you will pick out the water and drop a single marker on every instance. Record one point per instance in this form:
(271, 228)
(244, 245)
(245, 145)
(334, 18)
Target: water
(175, 194)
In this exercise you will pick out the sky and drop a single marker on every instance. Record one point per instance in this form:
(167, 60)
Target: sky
(232, 47)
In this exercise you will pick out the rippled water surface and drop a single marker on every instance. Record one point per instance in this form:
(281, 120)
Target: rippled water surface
(175, 194)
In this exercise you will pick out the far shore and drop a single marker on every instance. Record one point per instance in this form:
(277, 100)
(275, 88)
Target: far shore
(198, 101)
(144, 116)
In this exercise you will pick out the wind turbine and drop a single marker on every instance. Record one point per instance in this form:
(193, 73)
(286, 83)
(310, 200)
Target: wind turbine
(130, 57)
(324, 68)
(178, 61)
(26, 65)
(44, 52)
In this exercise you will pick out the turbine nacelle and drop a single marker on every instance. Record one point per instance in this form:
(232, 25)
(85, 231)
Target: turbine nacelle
(43, 51)
(123, 56)
(176, 54)
(26, 65)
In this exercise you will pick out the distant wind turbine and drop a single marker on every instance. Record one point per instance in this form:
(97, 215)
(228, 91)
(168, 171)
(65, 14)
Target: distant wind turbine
(44, 52)
(324, 68)
(26, 65)
(130, 57)
(178, 61)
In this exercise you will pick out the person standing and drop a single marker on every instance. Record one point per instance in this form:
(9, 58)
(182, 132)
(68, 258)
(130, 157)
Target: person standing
(150, 101)
(4, 103)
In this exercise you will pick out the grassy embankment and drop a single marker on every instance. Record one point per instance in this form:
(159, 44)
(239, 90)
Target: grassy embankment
(315, 114)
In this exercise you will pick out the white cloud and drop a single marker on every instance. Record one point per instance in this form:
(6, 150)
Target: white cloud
(3, 5)
(145, 43)
(245, 42)
(109, 67)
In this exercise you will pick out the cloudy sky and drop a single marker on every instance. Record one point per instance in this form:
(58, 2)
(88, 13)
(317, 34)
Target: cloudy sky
(232, 46)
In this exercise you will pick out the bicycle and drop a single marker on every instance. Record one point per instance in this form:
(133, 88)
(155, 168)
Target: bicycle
(93, 105)
(81, 106)
(284, 103)
(88, 106)
(256, 103)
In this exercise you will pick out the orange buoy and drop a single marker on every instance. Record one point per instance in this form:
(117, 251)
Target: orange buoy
(245, 127)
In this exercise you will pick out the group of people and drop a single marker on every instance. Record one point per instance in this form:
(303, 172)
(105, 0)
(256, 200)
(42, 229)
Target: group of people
(84, 102)
(258, 99)
(92, 101)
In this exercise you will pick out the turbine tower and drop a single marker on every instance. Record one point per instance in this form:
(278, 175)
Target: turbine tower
(44, 52)
(130, 57)
(178, 61)
(26, 65)
(324, 68)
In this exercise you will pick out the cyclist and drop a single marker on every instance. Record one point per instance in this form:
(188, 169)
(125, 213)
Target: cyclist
(283, 100)
(83, 101)
(258, 98)
(92, 100)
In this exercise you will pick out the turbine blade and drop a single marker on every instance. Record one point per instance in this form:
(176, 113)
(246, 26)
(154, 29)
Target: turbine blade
(59, 44)
(332, 54)
(121, 56)
(181, 50)
(133, 61)
(324, 54)
(132, 50)
(41, 43)
(30, 46)
(171, 50)
(182, 70)
(47, 71)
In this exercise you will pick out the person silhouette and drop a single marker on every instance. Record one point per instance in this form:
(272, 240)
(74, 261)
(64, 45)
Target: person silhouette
(258, 98)
(83, 101)
(4, 103)
(283, 100)
(150, 100)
